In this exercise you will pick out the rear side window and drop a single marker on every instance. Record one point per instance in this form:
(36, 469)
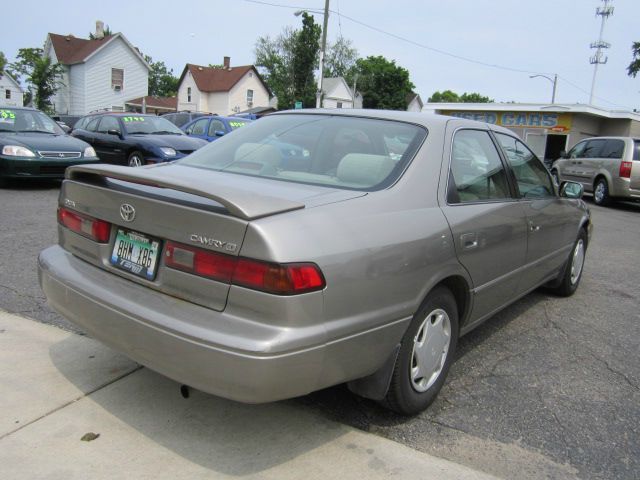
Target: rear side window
(476, 174)
(198, 128)
(612, 149)
(335, 151)
(532, 177)
(636, 149)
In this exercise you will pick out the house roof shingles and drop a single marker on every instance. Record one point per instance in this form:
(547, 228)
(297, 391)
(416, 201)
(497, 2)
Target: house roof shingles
(210, 79)
(71, 50)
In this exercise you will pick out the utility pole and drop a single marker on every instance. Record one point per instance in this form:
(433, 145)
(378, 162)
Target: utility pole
(322, 49)
(599, 58)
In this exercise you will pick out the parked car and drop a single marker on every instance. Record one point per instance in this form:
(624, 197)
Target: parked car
(32, 145)
(179, 119)
(233, 273)
(134, 139)
(213, 127)
(608, 167)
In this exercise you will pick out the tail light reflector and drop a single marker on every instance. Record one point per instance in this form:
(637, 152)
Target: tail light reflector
(625, 169)
(87, 226)
(280, 279)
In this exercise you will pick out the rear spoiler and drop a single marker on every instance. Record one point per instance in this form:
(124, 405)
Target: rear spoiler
(224, 189)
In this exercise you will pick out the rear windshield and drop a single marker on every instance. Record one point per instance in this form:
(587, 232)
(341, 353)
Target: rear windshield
(337, 151)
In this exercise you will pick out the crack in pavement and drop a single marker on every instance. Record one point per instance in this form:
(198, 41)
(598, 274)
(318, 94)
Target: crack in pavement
(80, 397)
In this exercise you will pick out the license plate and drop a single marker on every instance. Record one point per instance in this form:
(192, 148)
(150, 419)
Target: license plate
(136, 253)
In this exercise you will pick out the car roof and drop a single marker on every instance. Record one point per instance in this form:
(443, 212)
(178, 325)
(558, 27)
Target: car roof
(419, 118)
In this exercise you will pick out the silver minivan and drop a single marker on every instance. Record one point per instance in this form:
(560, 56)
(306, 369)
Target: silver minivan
(608, 167)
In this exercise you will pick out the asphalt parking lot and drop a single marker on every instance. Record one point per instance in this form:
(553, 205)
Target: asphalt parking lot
(548, 388)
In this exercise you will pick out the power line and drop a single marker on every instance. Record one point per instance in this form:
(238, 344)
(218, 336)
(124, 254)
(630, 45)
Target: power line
(433, 49)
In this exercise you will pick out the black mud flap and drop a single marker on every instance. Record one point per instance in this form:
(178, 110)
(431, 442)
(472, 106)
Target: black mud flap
(376, 385)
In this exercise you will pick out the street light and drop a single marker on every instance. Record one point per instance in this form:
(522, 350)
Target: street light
(322, 48)
(553, 80)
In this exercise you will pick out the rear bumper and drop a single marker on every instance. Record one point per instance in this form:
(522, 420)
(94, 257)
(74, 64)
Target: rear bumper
(186, 342)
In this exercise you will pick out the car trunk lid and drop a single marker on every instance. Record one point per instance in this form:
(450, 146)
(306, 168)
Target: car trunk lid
(194, 207)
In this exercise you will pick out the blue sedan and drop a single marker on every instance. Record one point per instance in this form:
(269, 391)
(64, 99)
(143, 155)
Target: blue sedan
(213, 127)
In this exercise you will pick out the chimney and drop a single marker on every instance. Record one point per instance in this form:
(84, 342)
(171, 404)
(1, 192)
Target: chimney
(227, 63)
(99, 29)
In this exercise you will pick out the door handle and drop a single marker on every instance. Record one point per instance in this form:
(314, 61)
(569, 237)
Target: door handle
(533, 227)
(469, 241)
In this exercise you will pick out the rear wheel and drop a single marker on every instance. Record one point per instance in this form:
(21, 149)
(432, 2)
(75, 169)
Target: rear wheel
(136, 159)
(425, 354)
(601, 193)
(573, 268)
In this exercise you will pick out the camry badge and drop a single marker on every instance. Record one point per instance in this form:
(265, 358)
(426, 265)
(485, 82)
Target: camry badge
(127, 212)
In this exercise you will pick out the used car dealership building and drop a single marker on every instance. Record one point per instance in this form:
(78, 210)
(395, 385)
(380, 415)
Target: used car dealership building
(547, 128)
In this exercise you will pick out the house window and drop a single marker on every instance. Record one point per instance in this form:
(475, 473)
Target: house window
(339, 105)
(249, 97)
(189, 94)
(117, 79)
(7, 94)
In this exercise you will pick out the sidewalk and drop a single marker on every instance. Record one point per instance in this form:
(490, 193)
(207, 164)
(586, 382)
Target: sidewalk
(56, 386)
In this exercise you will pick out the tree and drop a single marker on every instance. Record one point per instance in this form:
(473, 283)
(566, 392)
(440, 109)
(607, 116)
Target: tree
(383, 84)
(339, 58)
(3, 62)
(107, 32)
(448, 96)
(43, 77)
(162, 82)
(634, 66)
(474, 98)
(287, 63)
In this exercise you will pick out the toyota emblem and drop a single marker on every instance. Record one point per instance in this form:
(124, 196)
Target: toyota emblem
(127, 212)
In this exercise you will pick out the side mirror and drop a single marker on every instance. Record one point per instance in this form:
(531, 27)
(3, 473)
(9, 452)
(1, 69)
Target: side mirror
(113, 131)
(571, 190)
(219, 133)
(563, 154)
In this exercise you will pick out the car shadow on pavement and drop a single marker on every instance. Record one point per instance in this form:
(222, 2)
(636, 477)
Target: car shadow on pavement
(218, 434)
(338, 403)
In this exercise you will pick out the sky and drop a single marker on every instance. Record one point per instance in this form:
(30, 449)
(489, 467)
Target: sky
(426, 37)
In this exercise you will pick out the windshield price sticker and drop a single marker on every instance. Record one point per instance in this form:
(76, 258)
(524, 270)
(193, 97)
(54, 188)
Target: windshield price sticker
(133, 119)
(7, 115)
(135, 253)
(237, 124)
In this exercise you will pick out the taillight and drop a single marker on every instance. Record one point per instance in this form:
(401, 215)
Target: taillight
(85, 225)
(200, 262)
(281, 279)
(625, 169)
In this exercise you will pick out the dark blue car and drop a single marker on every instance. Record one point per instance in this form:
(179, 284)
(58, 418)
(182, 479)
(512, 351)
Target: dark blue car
(134, 139)
(213, 127)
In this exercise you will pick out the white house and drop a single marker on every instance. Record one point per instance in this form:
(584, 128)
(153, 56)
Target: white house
(11, 93)
(99, 74)
(223, 90)
(337, 94)
(414, 102)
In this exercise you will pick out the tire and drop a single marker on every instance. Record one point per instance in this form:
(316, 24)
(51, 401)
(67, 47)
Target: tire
(601, 193)
(135, 159)
(428, 349)
(572, 271)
